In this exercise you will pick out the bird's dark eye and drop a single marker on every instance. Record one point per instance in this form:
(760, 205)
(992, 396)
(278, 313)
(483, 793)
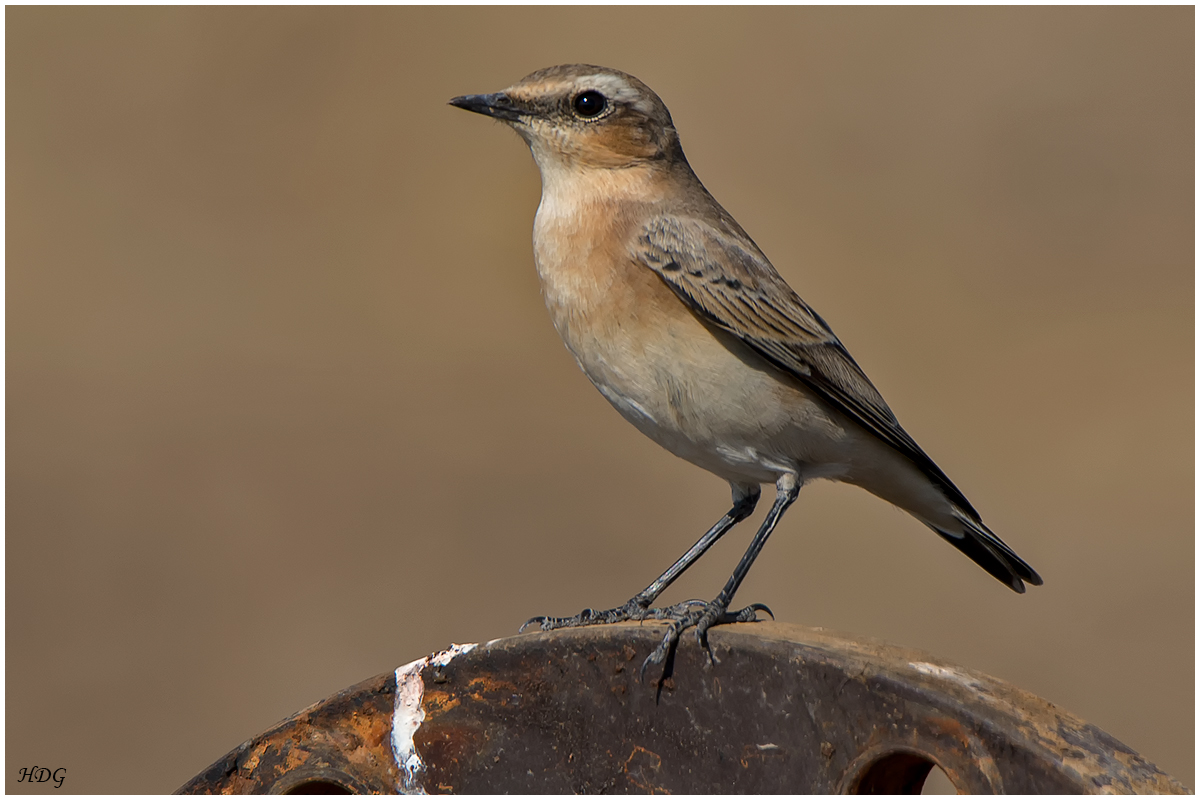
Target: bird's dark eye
(590, 103)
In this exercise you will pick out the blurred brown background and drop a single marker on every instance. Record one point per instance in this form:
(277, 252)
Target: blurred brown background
(285, 409)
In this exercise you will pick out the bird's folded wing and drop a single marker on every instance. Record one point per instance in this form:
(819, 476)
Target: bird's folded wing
(722, 276)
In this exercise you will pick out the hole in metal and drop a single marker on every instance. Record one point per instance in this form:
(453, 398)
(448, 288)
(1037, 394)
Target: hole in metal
(895, 773)
(318, 780)
(318, 787)
(937, 782)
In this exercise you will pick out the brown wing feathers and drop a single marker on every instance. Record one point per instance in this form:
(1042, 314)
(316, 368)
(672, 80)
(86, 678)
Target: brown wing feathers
(728, 281)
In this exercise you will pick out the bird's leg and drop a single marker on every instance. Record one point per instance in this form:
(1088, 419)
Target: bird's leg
(745, 498)
(703, 616)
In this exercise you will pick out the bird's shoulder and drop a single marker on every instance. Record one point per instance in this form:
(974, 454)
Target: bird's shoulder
(710, 258)
(716, 269)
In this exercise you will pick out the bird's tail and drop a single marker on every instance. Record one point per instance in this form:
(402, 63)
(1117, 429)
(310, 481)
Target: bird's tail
(988, 551)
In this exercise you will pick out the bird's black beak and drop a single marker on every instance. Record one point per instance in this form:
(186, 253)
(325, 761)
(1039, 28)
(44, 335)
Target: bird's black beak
(497, 105)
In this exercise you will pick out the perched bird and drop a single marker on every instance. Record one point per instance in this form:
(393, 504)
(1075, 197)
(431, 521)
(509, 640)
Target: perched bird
(681, 322)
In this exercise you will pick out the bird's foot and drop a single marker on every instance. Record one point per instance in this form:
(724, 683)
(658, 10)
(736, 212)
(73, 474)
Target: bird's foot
(699, 615)
(632, 610)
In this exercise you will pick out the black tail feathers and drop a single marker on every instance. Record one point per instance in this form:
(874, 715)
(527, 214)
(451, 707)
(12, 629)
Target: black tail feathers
(988, 551)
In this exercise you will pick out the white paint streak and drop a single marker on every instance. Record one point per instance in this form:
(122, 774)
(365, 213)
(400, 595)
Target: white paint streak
(945, 673)
(406, 718)
(446, 656)
(408, 715)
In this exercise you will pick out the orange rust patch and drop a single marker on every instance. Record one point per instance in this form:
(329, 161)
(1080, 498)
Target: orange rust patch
(296, 758)
(483, 685)
(947, 726)
(438, 702)
(641, 768)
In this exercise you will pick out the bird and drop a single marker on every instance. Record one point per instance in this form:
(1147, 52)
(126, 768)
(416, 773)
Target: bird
(682, 323)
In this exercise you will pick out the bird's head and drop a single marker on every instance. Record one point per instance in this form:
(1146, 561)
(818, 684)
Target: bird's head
(578, 116)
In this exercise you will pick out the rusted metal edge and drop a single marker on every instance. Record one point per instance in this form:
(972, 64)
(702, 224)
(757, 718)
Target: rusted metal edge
(786, 709)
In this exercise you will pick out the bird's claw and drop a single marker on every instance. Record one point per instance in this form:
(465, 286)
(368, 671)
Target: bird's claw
(674, 612)
(686, 615)
(632, 610)
(698, 614)
(750, 613)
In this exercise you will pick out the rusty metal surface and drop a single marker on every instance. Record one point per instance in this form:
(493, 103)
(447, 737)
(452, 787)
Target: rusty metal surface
(787, 709)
